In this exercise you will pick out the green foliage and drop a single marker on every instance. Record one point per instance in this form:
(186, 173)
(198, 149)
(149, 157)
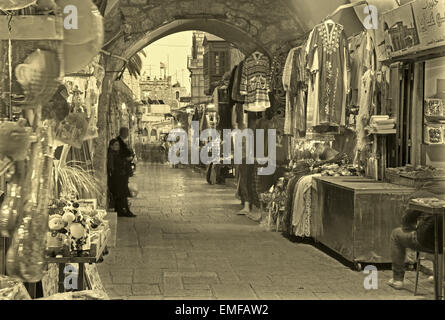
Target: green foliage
(73, 177)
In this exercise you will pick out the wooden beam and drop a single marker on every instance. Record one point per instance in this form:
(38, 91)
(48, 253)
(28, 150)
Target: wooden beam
(32, 28)
(417, 56)
(417, 115)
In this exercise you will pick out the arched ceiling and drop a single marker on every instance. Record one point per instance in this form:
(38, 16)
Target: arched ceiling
(249, 24)
(219, 28)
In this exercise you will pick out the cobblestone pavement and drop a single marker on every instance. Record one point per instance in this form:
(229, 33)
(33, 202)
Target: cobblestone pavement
(188, 243)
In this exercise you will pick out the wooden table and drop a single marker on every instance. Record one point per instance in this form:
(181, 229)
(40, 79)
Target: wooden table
(436, 212)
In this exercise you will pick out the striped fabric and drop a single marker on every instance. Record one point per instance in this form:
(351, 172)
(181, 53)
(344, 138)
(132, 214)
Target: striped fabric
(255, 82)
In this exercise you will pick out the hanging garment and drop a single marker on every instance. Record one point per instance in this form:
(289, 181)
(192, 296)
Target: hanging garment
(299, 126)
(239, 117)
(294, 83)
(290, 191)
(236, 89)
(232, 102)
(328, 57)
(362, 53)
(221, 101)
(364, 114)
(301, 213)
(255, 82)
(312, 113)
(204, 125)
(356, 60)
(287, 83)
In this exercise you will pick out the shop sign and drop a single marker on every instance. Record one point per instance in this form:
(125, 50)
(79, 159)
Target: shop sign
(430, 20)
(413, 27)
(400, 32)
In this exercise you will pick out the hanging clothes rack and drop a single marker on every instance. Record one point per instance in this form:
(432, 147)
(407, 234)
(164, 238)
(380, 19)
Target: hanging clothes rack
(344, 7)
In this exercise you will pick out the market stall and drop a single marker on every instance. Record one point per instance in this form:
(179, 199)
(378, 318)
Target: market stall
(396, 146)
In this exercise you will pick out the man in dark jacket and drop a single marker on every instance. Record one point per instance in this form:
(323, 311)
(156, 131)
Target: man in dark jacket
(127, 156)
(125, 151)
(414, 234)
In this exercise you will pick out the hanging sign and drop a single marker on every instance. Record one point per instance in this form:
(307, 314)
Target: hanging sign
(430, 21)
(414, 27)
(400, 32)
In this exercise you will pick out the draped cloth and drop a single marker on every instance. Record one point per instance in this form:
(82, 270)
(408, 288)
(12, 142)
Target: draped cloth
(317, 208)
(301, 214)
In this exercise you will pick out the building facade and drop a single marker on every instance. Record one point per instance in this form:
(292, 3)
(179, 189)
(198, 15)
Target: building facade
(220, 57)
(195, 65)
(162, 90)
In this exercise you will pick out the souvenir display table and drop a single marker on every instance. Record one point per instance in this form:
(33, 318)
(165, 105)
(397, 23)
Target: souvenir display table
(354, 216)
(437, 212)
(98, 250)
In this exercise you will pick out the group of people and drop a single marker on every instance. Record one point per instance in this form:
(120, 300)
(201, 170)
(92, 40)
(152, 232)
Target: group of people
(120, 169)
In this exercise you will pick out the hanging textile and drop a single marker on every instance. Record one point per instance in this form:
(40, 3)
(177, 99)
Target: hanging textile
(232, 102)
(294, 82)
(221, 101)
(328, 61)
(236, 89)
(363, 142)
(239, 117)
(301, 214)
(277, 94)
(362, 53)
(204, 125)
(255, 82)
(287, 84)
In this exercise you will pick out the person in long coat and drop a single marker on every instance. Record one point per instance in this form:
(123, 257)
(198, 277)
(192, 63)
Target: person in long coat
(118, 176)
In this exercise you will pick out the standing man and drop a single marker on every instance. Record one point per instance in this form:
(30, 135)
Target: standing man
(127, 156)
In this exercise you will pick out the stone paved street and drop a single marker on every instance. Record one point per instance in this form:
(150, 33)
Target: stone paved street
(188, 243)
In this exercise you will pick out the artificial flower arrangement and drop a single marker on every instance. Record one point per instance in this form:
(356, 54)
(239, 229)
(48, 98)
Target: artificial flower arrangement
(75, 230)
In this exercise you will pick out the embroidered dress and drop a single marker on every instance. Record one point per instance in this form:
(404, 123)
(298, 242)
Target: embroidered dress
(255, 82)
(328, 58)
